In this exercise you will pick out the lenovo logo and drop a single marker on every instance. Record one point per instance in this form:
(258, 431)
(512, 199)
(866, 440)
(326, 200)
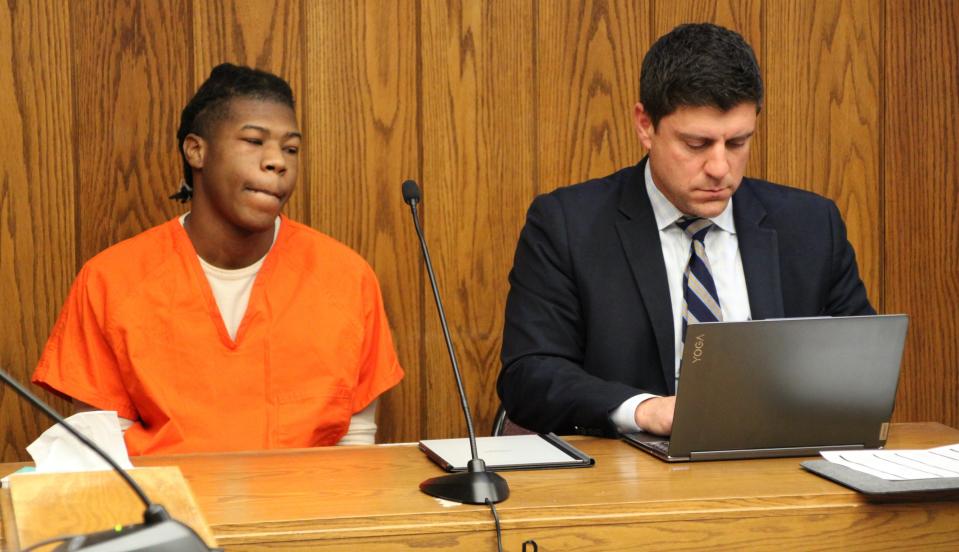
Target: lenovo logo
(698, 348)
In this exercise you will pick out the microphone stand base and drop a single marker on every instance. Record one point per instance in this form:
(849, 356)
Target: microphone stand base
(468, 487)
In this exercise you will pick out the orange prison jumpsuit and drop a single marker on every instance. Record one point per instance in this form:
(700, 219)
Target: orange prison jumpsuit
(141, 334)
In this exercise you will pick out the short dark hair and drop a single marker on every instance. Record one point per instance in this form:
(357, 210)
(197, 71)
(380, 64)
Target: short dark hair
(211, 102)
(699, 64)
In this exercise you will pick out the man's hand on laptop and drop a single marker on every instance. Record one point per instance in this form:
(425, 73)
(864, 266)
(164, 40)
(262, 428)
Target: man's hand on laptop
(655, 415)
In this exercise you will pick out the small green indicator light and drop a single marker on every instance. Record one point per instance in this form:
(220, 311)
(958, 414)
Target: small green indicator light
(118, 528)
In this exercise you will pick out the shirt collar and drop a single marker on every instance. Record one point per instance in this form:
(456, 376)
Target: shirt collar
(666, 213)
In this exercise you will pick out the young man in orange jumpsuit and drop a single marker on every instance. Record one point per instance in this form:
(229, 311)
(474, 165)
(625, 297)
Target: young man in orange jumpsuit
(231, 327)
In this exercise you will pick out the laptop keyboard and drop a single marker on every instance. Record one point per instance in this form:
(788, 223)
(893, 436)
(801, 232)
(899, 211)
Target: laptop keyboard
(661, 446)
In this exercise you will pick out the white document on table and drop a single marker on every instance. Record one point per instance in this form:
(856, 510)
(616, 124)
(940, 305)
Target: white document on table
(900, 465)
(510, 452)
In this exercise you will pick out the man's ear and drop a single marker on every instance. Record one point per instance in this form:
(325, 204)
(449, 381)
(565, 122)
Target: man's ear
(644, 125)
(194, 150)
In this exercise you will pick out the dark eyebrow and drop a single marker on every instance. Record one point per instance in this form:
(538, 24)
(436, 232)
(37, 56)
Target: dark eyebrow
(265, 130)
(686, 136)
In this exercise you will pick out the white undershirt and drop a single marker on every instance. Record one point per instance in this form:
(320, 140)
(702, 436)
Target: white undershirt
(722, 249)
(231, 287)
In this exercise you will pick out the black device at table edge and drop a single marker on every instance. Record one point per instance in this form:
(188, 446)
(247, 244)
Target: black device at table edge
(477, 485)
(159, 531)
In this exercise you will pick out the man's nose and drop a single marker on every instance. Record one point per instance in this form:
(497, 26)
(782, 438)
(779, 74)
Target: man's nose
(273, 160)
(717, 164)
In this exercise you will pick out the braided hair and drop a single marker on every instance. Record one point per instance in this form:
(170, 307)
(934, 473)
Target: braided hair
(210, 105)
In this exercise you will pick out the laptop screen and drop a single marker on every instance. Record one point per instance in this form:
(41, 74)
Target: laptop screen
(801, 382)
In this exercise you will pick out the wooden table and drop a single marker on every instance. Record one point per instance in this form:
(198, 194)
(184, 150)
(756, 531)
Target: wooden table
(367, 498)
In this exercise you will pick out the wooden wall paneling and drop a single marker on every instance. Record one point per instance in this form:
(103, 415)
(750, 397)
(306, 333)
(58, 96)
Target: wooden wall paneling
(588, 59)
(478, 177)
(490, 103)
(742, 16)
(265, 35)
(37, 255)
(360, 128)
(822, 119)
(134, 71)
(921, 199)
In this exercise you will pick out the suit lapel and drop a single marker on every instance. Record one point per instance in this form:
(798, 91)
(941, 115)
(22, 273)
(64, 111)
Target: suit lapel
(640, 238)
(759, 248)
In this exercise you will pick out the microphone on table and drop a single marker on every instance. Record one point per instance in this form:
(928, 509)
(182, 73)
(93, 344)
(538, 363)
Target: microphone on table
(159, 531)
(478, 484)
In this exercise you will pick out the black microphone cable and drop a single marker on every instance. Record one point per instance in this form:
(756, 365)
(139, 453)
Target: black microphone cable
(499, 530)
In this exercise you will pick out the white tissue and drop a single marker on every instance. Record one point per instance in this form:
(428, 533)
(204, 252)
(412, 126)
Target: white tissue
(56, 450)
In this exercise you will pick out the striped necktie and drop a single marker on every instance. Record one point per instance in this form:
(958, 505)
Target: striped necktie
(700, 299)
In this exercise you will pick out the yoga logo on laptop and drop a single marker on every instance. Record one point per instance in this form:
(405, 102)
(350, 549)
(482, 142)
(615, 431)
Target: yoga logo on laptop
(698, 348)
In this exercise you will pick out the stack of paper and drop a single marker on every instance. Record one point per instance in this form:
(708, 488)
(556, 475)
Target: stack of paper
(900, 465)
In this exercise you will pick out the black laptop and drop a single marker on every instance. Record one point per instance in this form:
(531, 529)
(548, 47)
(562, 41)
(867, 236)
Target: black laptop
(784, 387)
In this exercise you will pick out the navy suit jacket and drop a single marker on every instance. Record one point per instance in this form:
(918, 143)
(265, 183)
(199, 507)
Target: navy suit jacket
(588, 316)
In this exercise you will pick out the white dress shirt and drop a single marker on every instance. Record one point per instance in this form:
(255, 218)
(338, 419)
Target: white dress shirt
(722, 249)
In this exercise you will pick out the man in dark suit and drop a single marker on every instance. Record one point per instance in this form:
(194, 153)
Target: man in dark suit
(608, 273)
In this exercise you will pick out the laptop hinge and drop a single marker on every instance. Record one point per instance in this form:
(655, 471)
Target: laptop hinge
(767, 452)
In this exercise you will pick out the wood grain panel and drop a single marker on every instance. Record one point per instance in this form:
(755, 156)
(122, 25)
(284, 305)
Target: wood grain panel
(37, 238)
(478, 177)
(921, 199)
(819, 529)
(265, 35)
(490, 103)
(133, 74)
(52, 504)
(822, 118)
(360, 125)
(588, 59)
(742, 16)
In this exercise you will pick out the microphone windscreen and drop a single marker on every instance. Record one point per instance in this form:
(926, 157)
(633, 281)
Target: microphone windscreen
(411, 191)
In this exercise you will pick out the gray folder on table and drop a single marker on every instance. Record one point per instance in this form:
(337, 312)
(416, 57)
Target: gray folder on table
(872, 485)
